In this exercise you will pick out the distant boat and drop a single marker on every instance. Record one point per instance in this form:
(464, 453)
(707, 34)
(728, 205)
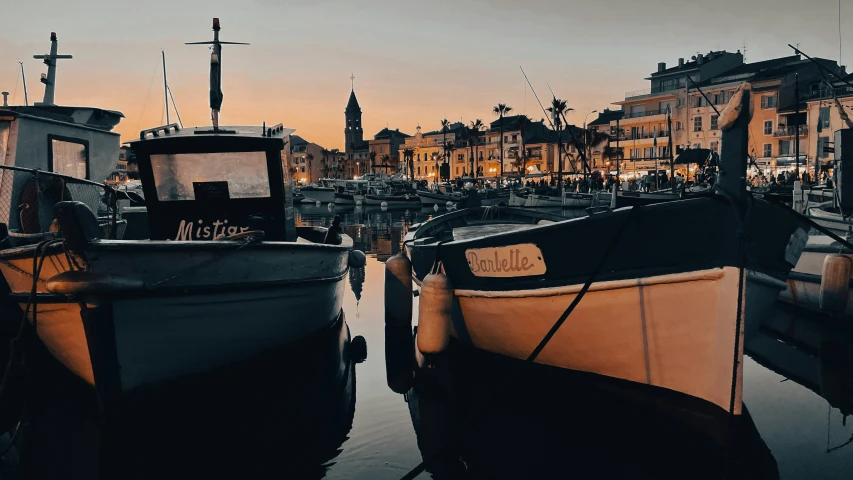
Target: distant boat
(440, 194)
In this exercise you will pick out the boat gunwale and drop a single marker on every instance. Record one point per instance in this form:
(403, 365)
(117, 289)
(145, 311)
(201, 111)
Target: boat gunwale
(665, 279)
(26, 251)
(181, 290)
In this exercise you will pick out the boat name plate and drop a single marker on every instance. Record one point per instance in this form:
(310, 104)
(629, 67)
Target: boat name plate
(523, 260)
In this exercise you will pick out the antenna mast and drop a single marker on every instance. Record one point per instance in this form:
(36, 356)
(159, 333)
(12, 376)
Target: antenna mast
(50, 80)
(24, 79)
(216, 72)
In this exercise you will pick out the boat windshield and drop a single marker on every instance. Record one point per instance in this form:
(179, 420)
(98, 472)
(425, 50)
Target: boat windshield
(216, 175)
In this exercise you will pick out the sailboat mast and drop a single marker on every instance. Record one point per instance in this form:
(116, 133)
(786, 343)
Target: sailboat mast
(618, 177)
(669, 147)
(165, 88)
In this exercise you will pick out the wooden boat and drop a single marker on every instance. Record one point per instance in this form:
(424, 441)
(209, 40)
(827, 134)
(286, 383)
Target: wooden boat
(629, 198)
(829, 216)
(324, 192)
(379, 196)
(351, 192)
(440, 194)
(224, 255)
(511, 281)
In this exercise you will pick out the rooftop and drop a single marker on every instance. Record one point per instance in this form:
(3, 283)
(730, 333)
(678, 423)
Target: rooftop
(352, 104)
(692, 64)
(388, 133)
(606, 116)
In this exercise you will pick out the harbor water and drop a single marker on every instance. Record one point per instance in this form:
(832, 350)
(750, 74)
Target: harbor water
(318, 413)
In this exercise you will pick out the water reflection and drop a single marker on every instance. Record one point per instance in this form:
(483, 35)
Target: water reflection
(478, 415)
(285, 415)
(379, 232)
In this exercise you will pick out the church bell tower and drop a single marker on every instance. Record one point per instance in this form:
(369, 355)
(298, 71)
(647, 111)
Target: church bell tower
(353, 133)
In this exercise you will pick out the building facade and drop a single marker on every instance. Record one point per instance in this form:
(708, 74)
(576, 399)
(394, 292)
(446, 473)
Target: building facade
(778, 117)
(384, 150)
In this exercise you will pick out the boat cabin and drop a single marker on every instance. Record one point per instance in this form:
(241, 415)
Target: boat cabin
(207, 184)
(75, 142)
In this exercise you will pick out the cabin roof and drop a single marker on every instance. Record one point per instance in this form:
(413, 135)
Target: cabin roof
(255, 131)
(89, 117)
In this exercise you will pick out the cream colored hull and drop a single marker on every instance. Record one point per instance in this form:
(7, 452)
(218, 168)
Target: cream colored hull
(674, 331)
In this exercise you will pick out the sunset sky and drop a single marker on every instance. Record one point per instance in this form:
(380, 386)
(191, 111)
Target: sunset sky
(414, 62)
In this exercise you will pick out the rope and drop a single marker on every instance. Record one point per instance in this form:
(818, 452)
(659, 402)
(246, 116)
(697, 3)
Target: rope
(249, 241)
(585, 287)
(39, 255)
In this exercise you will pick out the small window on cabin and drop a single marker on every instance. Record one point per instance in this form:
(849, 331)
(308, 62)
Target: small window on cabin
(69, 156)
(182, 176)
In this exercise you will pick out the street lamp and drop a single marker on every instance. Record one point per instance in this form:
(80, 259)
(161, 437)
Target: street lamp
(358, 169)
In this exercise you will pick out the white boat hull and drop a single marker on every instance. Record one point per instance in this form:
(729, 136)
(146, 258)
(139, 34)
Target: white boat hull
(322, 195)
(429, 199)
(413, 202)
(516, 200)
(158, 339)
(577, 200)
(644, 330)
(539, 201)
(193, 314)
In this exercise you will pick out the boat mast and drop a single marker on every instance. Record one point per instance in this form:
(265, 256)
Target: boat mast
(50, 80)
(669, 147)
(165, 88)
(618, 179)
(215, 72)
(24, 80)
(797, 125)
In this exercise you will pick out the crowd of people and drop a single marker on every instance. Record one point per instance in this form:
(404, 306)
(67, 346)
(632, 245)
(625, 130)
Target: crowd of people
(788, 178)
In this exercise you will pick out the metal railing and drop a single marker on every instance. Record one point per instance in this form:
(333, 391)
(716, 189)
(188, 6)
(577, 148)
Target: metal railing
(791, 131)
(647, 113)
(28, 197)
(628, 136)
(653, 91)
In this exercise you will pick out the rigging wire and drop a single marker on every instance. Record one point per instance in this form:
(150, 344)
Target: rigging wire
(150, 84)
(15, 92)
(169, 89)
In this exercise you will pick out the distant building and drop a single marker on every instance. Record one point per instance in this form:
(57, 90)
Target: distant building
(385, 147)
(825, 118)
(695, 121)
(479, 153)
(308, 160)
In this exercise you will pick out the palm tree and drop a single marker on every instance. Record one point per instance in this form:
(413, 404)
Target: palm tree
(445, 127)
(409, 157)
(557, 108)
(590, 139)
(372, 156)
(476, 130)
(310, 158)
(386, 160)
(448, 152)
(500, 110)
